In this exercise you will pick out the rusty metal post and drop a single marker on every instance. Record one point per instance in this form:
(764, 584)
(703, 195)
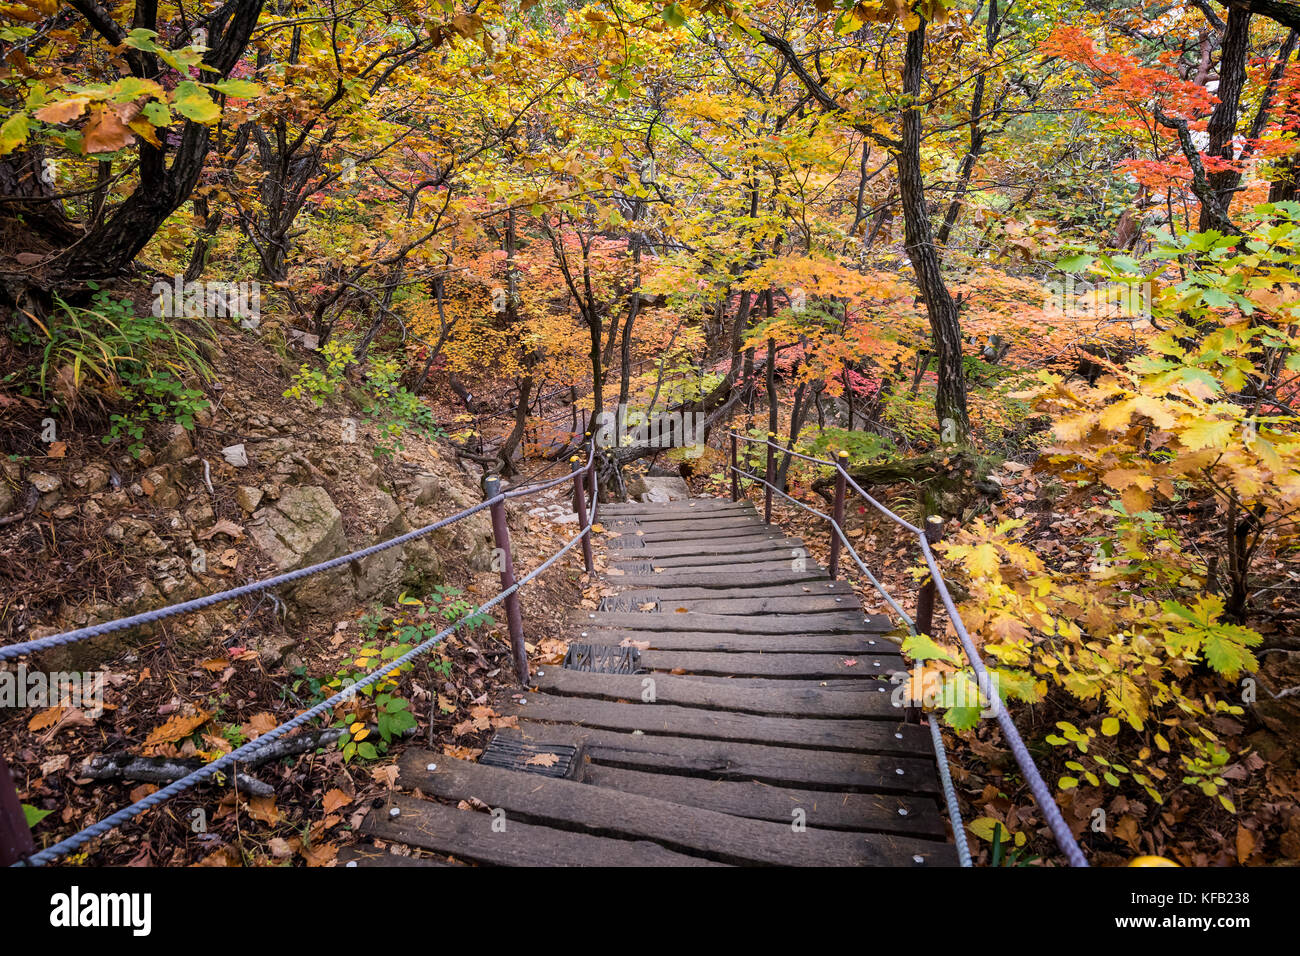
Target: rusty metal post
(591, 471)
(15, 836)
(735, 475)
(580, 509)
(837, 514)
(770, 476)
(925, 598)
(501, 537)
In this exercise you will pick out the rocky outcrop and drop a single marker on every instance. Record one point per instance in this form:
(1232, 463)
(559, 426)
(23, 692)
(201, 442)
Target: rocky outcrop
(301, 529)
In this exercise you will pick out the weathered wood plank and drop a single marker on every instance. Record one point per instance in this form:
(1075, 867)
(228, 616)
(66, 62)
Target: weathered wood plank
(831, 811)
(714, 579)
(842, 644)
(698, 524)
(806, 699)
(813, 733)
(863, 667)
(686, 505)
(468, 835)
(883, 687)
(846, 622)
(739, 561)
(767, 605)
(757, 544)
(757, 569)
(647, 517)
(709, 833)
(751, 590)
(675, 535)
(728, 760)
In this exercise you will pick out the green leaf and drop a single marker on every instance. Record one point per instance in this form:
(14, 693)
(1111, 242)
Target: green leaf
(1076, 263)
(13, 133)
(919, 647)
(673, 15)
(34, 816)
(193, 102)
(962, 718)
(157, 113)
(244, 89)
(367, 750)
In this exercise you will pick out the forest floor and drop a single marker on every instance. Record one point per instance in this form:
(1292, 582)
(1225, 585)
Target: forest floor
(1193, 829)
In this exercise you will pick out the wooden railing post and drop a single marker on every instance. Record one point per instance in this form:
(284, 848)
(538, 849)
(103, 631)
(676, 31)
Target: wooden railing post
(770, 476)
(580, 508)
(501, 537)
(15, 836)
(837, 514)
(924, 622)
(735, 475)
(925, 598)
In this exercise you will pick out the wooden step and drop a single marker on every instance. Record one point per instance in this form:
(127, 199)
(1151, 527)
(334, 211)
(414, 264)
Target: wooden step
(845, 645)
(812, 733)
(717, 836)
(736, 604)
(715, 579)
(739, 561)
(804, 700)
(686, 505)
(679, 593)
(469, 835)
(728, 760)
(914, 816)
(749, 529)
(693, 547)
(845, 622)
(814, 666)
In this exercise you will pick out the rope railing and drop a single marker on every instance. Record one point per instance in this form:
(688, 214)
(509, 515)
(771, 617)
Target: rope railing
(16, 847)
(1037, 786)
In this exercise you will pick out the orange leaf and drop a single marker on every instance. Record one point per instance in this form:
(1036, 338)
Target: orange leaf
(335, 800)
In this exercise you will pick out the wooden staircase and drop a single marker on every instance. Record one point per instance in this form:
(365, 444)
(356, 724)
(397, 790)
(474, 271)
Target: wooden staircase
(753, 723)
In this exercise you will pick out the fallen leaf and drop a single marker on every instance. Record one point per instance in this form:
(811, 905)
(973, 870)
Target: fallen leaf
(1245, 844)
(543, 760)
(223, 526)
(335, 800)
(385, 775)
(54, 764)
(176, 728)
(322, 855)
(259, 724)
(264, 809)
(45, 718)
(142, 791)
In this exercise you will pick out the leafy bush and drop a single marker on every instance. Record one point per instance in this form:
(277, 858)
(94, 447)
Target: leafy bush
(142, 366)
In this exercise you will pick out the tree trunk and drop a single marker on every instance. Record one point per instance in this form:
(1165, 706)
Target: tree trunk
(945, 325)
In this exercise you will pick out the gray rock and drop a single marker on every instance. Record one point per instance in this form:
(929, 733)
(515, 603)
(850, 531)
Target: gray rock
(303, 528)
(248, 498)
(658, 488)
(178, 445)
(236, 455)
(91, 479)
(381, 572)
